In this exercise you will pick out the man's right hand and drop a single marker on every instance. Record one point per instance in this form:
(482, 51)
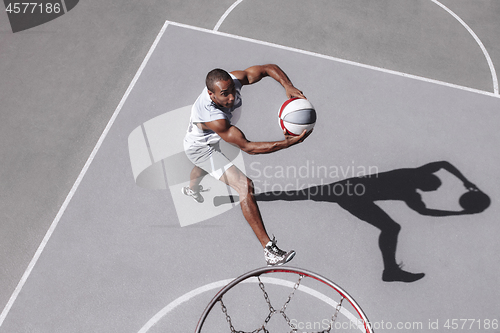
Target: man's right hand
(294, 139)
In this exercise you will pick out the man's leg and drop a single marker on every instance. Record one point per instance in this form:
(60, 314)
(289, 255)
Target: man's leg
(368, 211)
(194, 188)
(244, 186)
(195, 177)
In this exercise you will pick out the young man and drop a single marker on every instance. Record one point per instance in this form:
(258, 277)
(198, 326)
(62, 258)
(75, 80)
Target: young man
(211, 121)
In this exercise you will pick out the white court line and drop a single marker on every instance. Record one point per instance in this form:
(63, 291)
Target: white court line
(349, 62)
(65, 204)
(222, 283)
(64, 6)
(476, 38)
(478, 41)
(228, 11)
(184, 298)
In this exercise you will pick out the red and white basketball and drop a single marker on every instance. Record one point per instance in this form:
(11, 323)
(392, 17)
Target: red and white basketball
(297, 115)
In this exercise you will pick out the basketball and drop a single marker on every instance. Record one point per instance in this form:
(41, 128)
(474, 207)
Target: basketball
(474, 201)
(297, 115)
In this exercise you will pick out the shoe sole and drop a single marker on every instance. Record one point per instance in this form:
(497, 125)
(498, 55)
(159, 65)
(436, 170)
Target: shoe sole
(289, 258)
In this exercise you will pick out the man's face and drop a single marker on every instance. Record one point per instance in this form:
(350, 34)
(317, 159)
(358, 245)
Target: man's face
(224, 93)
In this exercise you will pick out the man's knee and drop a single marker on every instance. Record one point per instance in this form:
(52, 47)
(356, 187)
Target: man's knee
(245, 186)
(198, 172)
(394, 228)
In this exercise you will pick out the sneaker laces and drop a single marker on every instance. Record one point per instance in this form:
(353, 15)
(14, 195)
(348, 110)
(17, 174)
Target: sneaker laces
(274, 248)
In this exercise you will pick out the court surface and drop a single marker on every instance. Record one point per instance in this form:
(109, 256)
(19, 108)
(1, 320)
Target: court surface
(128, 253)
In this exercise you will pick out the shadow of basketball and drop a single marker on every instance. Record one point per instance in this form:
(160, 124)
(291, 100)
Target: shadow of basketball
(474, 201)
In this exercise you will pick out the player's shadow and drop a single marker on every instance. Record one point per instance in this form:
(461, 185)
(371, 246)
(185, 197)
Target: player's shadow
(358, 196)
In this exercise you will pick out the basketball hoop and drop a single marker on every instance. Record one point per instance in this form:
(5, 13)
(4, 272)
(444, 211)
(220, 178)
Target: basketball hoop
(339, 309)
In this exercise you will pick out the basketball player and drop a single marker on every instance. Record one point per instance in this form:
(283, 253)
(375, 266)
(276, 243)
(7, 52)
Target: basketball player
(211, 121)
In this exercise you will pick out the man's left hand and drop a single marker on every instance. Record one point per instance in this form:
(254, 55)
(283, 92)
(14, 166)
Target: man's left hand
(291, 92)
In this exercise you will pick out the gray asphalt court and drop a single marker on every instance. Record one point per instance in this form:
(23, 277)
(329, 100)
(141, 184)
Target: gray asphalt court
(114, 246)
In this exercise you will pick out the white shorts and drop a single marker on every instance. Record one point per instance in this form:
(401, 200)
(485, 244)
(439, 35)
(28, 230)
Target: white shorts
(209, 158)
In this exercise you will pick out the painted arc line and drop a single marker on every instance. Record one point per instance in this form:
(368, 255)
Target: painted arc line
(476, 38)
(222, 283)
(344, 61)
(225, 15)
(478, 41)
(64, 6)
(73, 190)
(184, 298)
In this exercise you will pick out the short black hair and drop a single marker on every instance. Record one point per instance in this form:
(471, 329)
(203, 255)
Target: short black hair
(216, 75)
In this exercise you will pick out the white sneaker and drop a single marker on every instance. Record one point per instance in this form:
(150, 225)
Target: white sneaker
(276, 256)
(194, 194)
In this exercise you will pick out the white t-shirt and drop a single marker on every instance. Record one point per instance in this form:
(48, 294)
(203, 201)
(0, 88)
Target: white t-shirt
(205, 110)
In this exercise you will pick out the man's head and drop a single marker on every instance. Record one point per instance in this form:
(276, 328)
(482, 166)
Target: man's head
(221, 87)
(428, 182)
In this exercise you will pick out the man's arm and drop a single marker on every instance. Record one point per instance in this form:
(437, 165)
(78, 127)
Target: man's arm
(419, 206)
(254, 74)
(436, 166)
(234, 135)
